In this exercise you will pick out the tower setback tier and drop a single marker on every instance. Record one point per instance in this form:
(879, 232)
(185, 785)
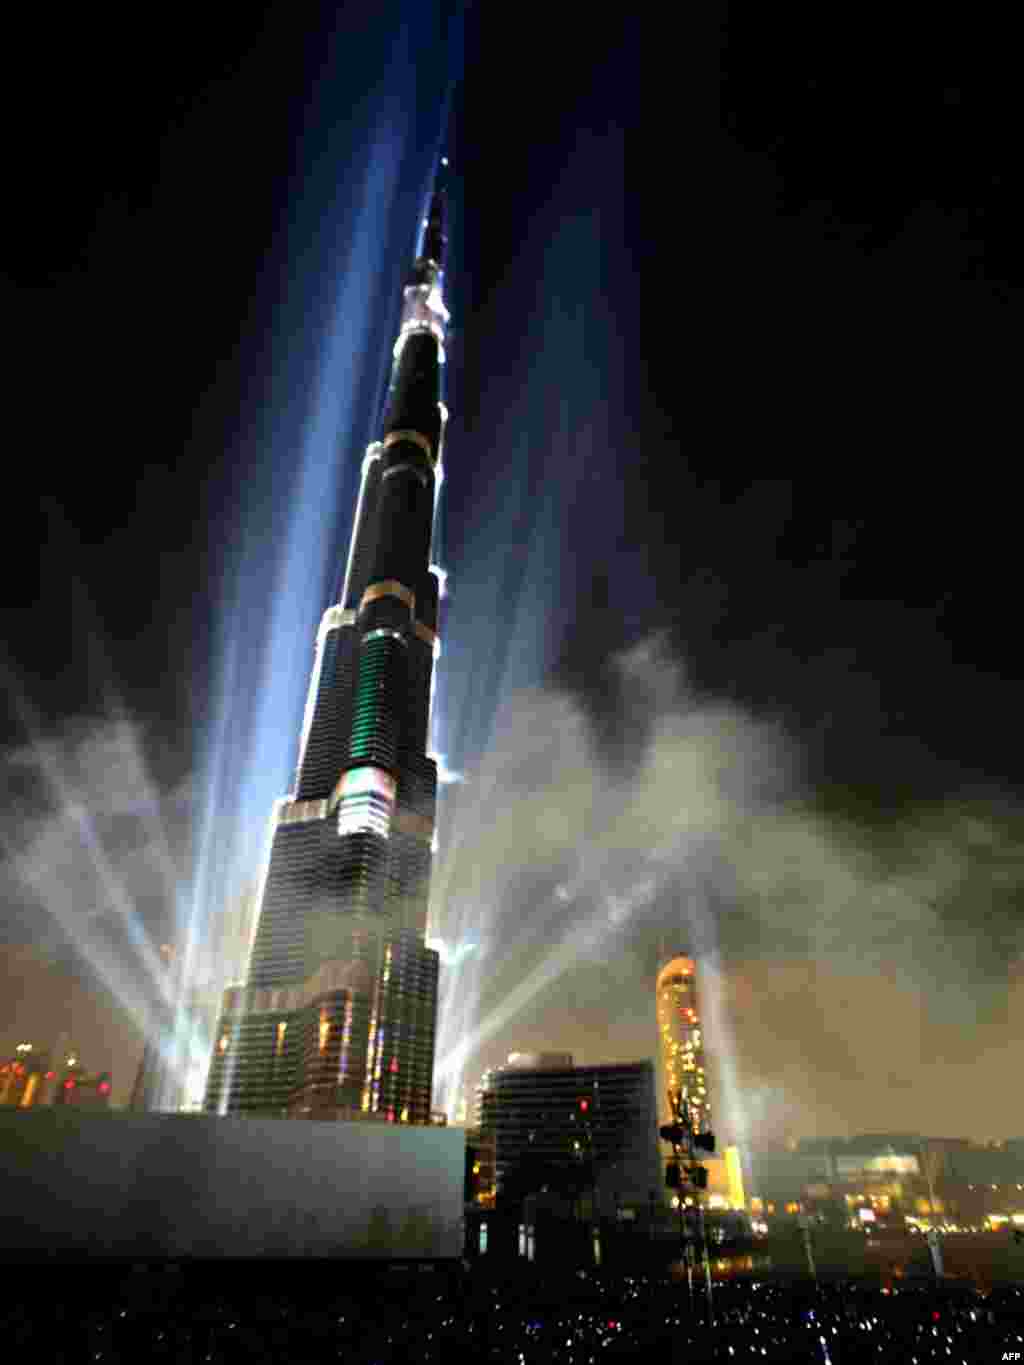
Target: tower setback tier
(338, 1016)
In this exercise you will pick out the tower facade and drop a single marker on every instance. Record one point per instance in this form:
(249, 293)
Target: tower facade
(541, 1111)
(681, 1034)
(337, 1018)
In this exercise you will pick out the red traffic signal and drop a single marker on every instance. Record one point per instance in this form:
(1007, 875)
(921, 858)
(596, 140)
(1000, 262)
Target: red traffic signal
(104, 1087)
(584, 1105)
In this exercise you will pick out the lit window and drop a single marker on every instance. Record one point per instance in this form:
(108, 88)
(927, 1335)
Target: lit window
(281, 1030)
(366, 799)
(223, 1044)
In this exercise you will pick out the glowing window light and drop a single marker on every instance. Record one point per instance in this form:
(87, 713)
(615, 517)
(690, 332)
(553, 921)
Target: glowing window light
(281, 1030)
(366, 801)
(223, 1044)
(346, 1036)
(324, 1030)
(366, 781)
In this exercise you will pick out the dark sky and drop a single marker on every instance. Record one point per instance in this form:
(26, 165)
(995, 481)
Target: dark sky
(731, 370)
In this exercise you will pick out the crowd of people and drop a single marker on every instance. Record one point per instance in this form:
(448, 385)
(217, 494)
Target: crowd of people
(216, 1315)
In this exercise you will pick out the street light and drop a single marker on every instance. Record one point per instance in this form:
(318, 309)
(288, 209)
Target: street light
(684, 1169)
(932, 1235)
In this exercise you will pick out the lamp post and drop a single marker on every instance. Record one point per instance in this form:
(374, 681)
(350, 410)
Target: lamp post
(805, 1232)
(928, 1164)
(685, 1143)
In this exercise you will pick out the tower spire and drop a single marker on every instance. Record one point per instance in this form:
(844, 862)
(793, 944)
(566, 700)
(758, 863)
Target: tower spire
(433, 241)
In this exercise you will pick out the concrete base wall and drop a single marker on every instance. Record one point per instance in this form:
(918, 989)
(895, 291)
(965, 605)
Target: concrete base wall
(155, 1185)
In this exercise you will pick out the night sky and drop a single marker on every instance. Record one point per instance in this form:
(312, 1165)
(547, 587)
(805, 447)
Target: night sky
(731, 645)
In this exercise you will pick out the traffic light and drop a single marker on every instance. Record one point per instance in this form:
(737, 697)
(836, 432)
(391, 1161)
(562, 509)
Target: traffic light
(672, 1176)
(672, 1132)
(704, 1141)
(583, 1105)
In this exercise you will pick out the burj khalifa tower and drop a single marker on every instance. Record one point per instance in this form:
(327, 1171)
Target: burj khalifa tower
(337, 1019)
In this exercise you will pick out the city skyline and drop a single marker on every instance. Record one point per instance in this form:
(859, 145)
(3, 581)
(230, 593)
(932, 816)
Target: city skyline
(726, 645)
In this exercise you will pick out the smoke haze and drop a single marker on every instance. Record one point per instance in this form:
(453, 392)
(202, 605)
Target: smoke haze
(861, 958)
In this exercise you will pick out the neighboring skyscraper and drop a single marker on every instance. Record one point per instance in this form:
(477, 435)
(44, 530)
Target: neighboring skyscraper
(84, 1089)
(683, 1065)
(31, 1080)
(339, 1014)
(26, 1079)
(559, 1115)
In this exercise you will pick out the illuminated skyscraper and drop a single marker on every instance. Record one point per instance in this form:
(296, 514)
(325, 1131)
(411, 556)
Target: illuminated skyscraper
(681, 1031)
(26, 1078)
(33, 1079)
(338, 1017)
